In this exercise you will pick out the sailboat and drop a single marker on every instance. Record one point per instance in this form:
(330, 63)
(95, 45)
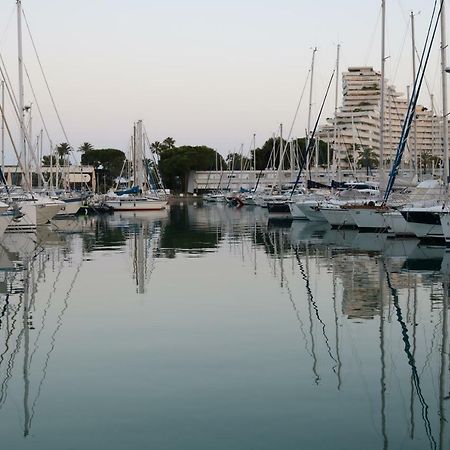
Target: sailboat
(430, 219)
(374, 214)
(138, 198)
(34, 209)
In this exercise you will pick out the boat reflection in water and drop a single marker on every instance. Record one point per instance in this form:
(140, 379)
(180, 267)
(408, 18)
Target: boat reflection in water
(182, 324)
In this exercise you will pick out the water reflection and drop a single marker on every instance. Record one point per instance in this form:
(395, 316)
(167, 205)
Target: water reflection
(344, 333)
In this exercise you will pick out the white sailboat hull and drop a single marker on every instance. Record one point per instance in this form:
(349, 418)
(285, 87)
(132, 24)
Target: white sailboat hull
(338, 217)
(368, 219)
(397, 224)
(28, 221)
(46, 211)
(426, 230)
(296, 212)
(425, 222)
(6, 218)
(136, 204)
(311, 211)
(70, 208)
(445, 223)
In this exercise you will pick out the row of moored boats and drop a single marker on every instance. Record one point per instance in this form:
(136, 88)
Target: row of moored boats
(422, 211)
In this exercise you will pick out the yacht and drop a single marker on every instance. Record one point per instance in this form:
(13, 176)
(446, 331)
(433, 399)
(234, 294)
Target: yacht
(139, 197)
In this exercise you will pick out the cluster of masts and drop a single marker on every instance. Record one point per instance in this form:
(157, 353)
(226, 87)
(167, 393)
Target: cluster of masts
(23, 208)
(418, 66)
(370, 206)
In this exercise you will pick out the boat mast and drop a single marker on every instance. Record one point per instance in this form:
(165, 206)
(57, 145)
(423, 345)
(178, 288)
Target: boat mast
(3, 127)
(292, 158)
(51, 165)
(254, 152)
(311, 85)
(444, 92)
(139, 156)
(134, 156)
(336, 152)
(413, 44)
(40, 140)
(280, 164)
(21, 92)
(382, 99)
(29, 138)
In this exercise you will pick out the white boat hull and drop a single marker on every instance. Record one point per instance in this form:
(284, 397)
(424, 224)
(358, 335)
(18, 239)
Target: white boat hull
(425, 222)
(3, 207)
(368, 219)
(28, 221)
(312, 212)
(338, 217)
(445, 223)
(136, 205)
(397, 224)
(296, 212)
(6, 218)
(46, 211)
(70, 208)
(425, 230)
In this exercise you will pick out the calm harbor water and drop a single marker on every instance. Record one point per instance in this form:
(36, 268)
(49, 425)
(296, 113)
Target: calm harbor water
(207, 327)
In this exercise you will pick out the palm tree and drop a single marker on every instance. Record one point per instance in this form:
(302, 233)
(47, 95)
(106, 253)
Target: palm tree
(46, 161)
(63, 150)
(428, 160)
(367, 158)
(85, 147)
(156, 147)
(169, 143)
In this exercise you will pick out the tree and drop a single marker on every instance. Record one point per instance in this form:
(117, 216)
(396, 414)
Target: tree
(156, 147)
(235, 161)
(46, 161)
(427, 160)
(85, 147)
(63, 150)
(159, 147)
(169, 143)
(367, 158)
(349, 159)
(109, 160)
(176, 163)
(268, 156)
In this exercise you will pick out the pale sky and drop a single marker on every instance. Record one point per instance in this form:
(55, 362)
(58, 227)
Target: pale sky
(203, 72)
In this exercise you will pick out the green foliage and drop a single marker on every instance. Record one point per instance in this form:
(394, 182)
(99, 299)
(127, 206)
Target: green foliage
(323, 153)
(367, 158)
(46, 160)
(349, 159)
(63, 151)
(427, 160)
(159, 147)
(85, 147)
(175, 164)
(109, 160)
(236, 161)
(265, 155)
(168, 143)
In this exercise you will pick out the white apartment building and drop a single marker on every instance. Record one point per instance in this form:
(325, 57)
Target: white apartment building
(358, 121)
